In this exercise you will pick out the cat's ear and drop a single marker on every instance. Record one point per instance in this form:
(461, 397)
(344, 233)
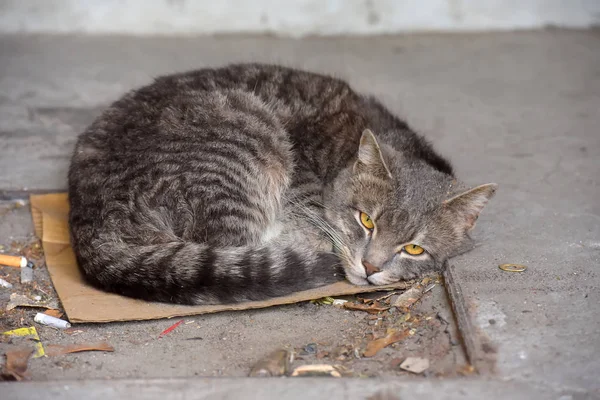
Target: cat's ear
(465, 207)
(369, 156)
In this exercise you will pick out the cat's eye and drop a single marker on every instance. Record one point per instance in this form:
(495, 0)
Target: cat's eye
(366, 221)
(413, 249)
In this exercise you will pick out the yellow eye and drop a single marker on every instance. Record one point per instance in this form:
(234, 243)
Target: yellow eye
(366, 221)
(413, 249)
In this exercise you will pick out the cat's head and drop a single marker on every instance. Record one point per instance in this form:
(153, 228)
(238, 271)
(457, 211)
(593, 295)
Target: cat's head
(397, 217)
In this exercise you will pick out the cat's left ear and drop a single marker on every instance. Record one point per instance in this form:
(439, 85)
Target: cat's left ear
(369, 156)
(466, 207)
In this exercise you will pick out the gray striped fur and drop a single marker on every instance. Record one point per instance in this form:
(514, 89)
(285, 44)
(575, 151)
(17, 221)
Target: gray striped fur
(243, 183)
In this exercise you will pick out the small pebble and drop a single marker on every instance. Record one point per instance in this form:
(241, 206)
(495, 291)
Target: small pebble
(310, 348)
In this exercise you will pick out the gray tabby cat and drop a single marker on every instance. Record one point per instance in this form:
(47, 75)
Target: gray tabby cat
(253, 181)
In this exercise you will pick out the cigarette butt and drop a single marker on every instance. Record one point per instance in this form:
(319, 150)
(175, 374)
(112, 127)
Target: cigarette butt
(13, 261)
(51, 321)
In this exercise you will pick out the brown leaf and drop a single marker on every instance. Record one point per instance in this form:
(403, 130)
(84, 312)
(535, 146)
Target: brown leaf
(54, 313)
(16, 364)
(57, 349)
(408, 298)
(371, 309)
(275, 364)
(322, 354)
(374, 346)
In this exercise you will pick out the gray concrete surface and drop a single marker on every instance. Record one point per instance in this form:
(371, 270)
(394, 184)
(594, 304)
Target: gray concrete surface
(293, 389)
(521, 109)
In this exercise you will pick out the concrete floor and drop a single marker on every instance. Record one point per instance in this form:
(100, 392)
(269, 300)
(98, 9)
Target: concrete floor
(519, 109)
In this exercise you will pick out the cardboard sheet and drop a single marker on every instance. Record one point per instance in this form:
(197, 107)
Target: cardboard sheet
(84, 303)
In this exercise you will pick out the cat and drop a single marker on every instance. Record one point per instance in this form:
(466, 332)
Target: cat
(252, 181)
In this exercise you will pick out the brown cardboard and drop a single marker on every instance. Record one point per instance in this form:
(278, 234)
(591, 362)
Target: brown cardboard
(84, 303)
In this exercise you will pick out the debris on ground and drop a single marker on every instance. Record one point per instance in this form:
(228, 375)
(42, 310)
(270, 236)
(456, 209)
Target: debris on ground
(30, 334)
(20, 300)
(317, 370)
(373, 308)
(393, 336)
(73, 331)
(54, 313)
(415, 365)
(57, 349)
(15, 368)
(275, 364)
(170, 329)
(512, 267)
(466, 370)
(323, 301)
(5, 284)
(13, 261)
(409, 297)
(310, 348)
(27, 273)
(51, 321)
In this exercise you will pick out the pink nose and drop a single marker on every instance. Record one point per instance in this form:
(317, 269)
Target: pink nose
(370, 268)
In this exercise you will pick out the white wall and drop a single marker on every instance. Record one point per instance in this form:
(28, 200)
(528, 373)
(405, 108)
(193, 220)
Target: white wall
(290, 17)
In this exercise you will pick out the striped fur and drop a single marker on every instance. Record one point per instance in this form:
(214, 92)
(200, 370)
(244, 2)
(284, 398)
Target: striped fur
(233, 184)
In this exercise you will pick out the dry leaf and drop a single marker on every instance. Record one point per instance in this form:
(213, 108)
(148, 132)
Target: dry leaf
(275, 364)
(371, 309)
(16, 364)
(374, 346)
(57, 349)
(408, 298)
(54, 313)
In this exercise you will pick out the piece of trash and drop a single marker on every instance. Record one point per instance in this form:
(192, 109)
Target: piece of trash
(373, 308)
(170, 329)
(15, 367)
(73, 331)
(57, 349)
(415, 364)
(408, 298)
(275, 364)
(323, 301)
(512, 267)
(317, 370)
(322, 354)
(310, 348)
(5, 284)
(374, 346)
(339, 302)
(428, 288)
(13, 261)
(27, 273)
(51, 321)
(31, 334)
(19, 300)
(466, 370)
(54, 313)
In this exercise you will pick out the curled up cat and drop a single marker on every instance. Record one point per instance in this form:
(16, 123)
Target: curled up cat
(253, 181)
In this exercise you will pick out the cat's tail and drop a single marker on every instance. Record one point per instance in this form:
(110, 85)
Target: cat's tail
(196, 273)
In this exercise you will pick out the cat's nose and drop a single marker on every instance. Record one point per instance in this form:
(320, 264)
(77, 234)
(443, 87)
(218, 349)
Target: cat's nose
(370, 268)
